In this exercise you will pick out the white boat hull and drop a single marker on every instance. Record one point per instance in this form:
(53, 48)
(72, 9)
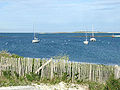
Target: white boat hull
(35, 41)
(85, 42)
(93, 39)
(115, 35)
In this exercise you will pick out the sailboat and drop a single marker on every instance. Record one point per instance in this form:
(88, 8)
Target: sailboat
(93, 37)
(113, 36)
(86, 41)
(35, 40)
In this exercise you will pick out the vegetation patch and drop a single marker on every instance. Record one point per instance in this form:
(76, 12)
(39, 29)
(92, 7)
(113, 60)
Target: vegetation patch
(8, 80)
(6, 54)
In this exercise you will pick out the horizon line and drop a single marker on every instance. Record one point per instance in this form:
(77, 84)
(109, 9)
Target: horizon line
(63, 32)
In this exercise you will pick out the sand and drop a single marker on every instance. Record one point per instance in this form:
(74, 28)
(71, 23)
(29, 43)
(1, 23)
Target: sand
(60, 86)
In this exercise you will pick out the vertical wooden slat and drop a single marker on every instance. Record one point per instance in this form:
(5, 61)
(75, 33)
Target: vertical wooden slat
(19, 67)
(0, 67)
(73, 73)
(79, 71)
(51, 70)
(117, 72)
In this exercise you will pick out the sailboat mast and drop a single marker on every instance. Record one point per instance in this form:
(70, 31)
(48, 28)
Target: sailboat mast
(86, 35)
(92, 32)
(33, 31)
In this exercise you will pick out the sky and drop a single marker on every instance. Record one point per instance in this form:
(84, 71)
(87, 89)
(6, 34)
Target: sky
(59, 15)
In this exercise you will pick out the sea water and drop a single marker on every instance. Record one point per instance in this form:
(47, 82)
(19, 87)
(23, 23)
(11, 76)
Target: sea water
(106, 50)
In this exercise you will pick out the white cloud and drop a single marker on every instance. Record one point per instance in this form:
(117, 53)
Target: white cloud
(55, 13)
(107, 4)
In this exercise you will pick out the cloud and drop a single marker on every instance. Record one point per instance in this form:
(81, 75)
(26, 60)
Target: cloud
(95, 4)
(58, 14)
(110, 2)
(105, 8)
(107, 4)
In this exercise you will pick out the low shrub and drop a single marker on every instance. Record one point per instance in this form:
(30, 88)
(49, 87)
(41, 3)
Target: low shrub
(112, 83)
(32, 77)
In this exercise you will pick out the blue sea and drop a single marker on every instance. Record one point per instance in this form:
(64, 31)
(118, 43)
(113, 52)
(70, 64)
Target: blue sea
(106, 50)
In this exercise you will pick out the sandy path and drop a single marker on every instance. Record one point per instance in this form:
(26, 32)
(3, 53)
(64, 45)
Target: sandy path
(60, 86)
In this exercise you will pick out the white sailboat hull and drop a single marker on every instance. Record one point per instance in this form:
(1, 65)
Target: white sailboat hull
(92, 39)
(85, 42)
(115, 35)
(35, 41)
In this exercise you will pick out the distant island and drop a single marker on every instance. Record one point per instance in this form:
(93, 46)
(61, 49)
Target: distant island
(78, 32)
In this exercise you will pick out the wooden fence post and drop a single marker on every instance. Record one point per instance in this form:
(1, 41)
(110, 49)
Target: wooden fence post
(90, 72)
(19, 67)
(79, 70)
(73, 73)
(51, 70)
(0, 69)
(117, 72)
(43, 66)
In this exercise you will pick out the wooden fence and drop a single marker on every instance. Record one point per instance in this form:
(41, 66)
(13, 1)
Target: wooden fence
(57, 68)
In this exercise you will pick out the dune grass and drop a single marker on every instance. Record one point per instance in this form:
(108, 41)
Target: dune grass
(6, 54)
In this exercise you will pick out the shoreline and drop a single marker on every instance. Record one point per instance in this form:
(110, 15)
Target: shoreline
(60, 32)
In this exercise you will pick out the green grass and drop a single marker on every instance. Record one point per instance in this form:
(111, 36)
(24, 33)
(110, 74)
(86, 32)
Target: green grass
(8, 80)
(13, 81)
(112, 83)
(61, 57)
(6, 54)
